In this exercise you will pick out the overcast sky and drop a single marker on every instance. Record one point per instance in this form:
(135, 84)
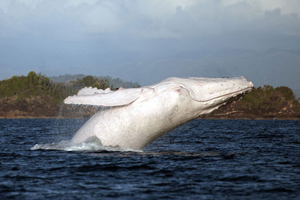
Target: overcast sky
(92, 36)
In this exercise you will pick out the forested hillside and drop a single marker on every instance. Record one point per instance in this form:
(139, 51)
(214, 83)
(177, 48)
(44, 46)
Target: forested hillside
(262, 102)
(36, 95)
(34, 85)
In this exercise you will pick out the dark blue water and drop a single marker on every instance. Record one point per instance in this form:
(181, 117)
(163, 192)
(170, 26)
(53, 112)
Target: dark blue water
(203, 159)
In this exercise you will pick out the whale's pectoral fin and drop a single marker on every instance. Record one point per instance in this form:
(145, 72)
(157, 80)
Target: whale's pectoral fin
(113, 98)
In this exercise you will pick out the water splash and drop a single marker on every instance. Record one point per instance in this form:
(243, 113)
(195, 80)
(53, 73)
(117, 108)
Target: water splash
(91, 144)
(64, 128)
(75, 111)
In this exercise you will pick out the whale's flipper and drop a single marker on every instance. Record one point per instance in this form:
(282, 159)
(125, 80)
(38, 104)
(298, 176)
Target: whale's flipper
(91, 96)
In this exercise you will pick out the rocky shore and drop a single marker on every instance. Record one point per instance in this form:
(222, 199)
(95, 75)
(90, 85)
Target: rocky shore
(233, 111)
(35, 107)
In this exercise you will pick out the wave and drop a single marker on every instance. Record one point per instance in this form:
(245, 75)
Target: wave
(91, 144)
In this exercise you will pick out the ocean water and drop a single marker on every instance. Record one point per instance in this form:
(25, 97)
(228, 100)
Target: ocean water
(203, 159)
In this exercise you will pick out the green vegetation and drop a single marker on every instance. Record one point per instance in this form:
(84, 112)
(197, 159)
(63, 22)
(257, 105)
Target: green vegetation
(33, 85)
(269, 99)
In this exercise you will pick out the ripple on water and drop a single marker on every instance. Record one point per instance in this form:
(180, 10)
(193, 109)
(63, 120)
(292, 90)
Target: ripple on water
(204, 159)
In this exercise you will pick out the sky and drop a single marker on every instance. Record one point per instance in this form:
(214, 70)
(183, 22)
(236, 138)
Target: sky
(98, 37)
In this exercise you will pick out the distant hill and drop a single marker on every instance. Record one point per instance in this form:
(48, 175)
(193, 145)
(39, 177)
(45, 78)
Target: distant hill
(113, 82)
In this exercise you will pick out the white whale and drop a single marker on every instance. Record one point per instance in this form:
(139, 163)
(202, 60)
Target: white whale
(140, 115)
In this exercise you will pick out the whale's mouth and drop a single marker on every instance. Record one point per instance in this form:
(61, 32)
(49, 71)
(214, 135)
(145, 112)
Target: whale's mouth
(231, 95)
(222, 100)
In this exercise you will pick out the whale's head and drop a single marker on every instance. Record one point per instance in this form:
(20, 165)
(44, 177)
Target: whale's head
(207, 94)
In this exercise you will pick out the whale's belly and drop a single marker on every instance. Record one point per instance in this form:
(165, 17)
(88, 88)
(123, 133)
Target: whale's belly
(135, 125)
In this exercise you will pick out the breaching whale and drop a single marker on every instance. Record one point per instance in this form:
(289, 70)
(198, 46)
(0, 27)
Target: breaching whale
(137, 116)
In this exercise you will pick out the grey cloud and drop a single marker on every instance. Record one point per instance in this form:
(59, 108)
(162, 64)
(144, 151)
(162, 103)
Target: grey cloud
(285, 24)
(213, 18)
(139, 18)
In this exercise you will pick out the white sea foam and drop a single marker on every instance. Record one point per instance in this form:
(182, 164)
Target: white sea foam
(91, 144)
